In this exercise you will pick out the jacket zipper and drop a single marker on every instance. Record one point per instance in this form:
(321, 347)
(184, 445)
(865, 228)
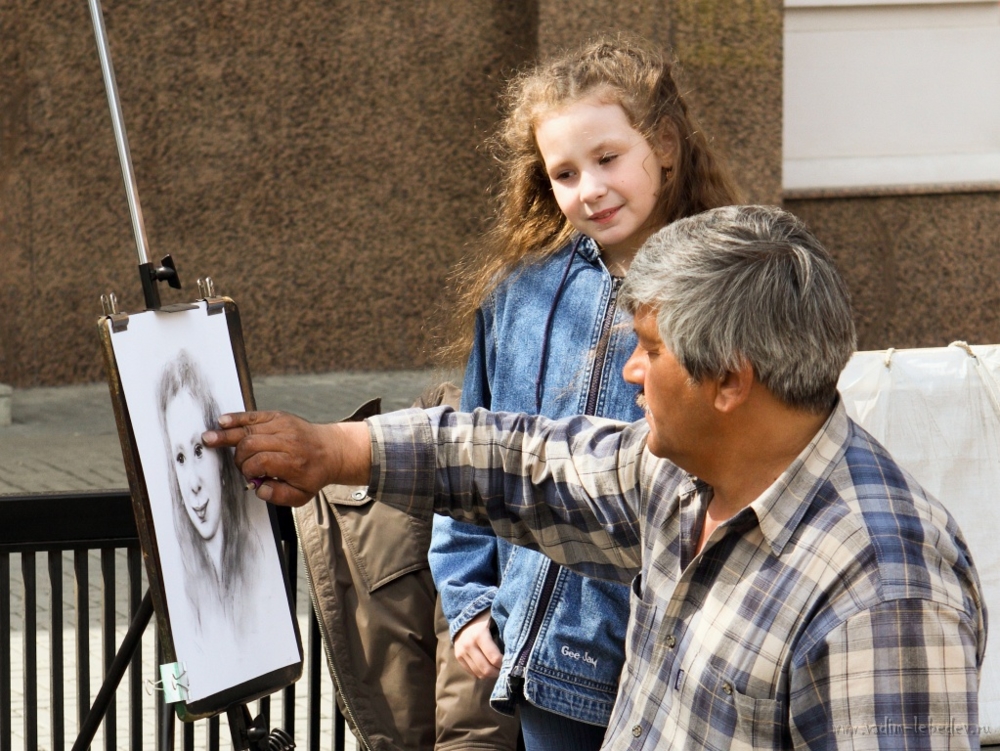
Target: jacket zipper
(552, 570)
(602, 347)
(551, 574)
(363, 740)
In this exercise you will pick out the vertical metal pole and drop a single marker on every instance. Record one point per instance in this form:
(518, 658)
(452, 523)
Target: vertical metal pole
(30, 651)
(5, 653)
(134, 565)
(108, 580)
(81, 571)
(121, 139)
(56, 674)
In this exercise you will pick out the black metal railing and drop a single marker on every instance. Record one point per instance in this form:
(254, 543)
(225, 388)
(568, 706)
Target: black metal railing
(75, 532)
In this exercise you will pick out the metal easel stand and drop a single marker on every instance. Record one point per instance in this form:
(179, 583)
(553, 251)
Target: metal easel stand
(247, 734)
(253, 734)
(117, 669)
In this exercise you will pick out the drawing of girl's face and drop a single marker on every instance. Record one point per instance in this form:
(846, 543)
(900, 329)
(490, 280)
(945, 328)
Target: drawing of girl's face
(197, 467)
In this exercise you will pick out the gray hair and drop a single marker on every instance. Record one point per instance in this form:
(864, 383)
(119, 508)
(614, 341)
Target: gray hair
(748, 284)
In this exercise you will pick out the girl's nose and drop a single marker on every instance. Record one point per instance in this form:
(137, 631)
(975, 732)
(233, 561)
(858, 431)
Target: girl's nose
(592, 188)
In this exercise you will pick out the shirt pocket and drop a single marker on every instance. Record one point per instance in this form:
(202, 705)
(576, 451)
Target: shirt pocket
(727, 718)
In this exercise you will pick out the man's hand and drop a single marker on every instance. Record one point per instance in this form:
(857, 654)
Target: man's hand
(475, 649)
(293, 457)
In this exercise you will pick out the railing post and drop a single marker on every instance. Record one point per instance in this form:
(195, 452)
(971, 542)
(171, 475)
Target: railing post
(5, 661)
(56, 673)
(30, 651)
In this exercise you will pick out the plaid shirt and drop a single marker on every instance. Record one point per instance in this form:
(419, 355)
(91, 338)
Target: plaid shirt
(840, 609)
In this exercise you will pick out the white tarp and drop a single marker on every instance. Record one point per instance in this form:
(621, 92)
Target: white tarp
(938, 412)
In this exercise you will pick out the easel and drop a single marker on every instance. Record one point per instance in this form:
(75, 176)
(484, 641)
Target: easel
(247, 733)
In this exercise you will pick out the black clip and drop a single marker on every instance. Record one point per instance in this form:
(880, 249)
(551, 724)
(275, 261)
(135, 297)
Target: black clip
(254, 735)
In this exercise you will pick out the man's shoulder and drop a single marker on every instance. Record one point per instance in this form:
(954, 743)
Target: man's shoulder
(911, 544)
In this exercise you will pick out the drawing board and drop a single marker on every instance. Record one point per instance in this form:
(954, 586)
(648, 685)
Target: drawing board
(211, 549)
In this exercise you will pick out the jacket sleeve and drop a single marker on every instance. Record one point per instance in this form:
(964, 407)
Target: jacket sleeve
(464, 557)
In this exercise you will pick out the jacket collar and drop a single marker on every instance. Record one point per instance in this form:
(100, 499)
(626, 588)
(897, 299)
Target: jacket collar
(587, 248)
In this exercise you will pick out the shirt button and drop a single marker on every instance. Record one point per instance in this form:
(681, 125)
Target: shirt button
(671, 641)
(636, 731)
(727, 687)
(359, 494)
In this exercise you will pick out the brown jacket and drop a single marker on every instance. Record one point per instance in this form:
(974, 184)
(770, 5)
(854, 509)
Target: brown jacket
(382, 627)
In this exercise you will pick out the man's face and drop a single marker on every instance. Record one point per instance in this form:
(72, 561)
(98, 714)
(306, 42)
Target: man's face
(680, 412)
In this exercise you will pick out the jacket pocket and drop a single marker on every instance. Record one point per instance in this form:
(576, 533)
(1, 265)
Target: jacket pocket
(383, 542)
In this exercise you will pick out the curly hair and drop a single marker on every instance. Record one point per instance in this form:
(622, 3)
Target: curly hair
(528, 224)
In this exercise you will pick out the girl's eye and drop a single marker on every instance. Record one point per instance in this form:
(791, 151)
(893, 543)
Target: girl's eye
(179, 458)
(605, 158)
(564, 175)
(198, 450)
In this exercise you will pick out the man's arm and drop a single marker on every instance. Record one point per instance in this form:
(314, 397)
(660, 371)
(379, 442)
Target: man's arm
(569, 488)
(900, 675)
(295, 458)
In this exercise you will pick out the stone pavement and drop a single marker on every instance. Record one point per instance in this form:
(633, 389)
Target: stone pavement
(65, 439)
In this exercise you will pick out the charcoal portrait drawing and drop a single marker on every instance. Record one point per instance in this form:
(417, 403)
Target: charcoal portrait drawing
(230, 621)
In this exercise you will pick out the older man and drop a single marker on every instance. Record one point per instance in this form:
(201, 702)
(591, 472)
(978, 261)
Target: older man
(792, 586)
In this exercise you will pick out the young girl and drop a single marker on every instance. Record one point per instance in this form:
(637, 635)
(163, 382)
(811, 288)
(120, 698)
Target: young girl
(597, 152)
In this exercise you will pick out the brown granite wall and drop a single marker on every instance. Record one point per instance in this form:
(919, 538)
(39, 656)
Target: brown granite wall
(924, 270)
(319, 161)
(322, 164)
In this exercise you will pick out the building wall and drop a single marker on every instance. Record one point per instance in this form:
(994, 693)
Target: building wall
(322, 164)
(924, 270)
(319, 163)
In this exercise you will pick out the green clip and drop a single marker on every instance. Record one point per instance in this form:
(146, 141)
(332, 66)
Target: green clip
(175, 682)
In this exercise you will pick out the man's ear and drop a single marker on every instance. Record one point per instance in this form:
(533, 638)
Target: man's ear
(733, 388)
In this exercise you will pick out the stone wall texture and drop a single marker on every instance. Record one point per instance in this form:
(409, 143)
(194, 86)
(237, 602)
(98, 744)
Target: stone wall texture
(924, 271)
(321, 161)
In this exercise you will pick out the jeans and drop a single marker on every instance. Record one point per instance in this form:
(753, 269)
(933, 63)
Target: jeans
(548, 731)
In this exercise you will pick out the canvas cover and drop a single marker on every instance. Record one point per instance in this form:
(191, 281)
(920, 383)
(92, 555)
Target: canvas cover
(937, 410)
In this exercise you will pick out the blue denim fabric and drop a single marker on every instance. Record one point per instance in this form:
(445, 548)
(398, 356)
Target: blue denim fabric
(552, 732)
(574, 666)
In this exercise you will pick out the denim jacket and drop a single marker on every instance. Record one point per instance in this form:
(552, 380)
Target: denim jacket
(551, 340)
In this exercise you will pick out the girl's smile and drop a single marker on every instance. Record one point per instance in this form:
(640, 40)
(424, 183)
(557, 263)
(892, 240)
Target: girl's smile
(603, 217)
(605, 176)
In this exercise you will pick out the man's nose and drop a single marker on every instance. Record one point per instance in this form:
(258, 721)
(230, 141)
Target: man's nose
(633, 371)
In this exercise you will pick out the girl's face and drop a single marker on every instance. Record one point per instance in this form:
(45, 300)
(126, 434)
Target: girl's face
(198, 469)
(605, 176)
